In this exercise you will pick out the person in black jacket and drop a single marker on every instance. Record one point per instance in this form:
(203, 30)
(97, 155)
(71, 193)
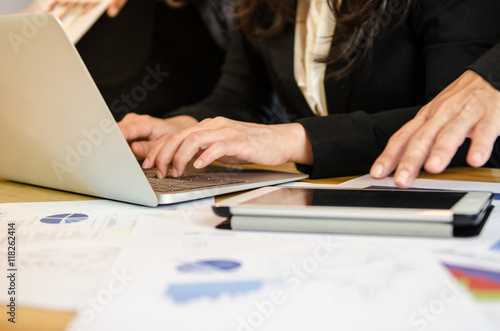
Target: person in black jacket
(469, 107)
(152, 57)
(379, 74)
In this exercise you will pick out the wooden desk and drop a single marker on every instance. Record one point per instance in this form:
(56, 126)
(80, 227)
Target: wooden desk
(39, 320)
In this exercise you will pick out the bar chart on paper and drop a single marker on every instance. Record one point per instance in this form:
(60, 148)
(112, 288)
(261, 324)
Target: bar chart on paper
(186, 292)
(76, 16)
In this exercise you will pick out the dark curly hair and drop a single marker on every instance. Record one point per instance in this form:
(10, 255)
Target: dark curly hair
(358, 23)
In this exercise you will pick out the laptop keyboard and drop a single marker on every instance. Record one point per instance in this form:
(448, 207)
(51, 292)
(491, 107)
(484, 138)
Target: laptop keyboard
(188, 182)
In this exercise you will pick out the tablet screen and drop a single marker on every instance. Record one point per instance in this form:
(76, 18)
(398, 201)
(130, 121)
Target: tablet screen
(359, 198)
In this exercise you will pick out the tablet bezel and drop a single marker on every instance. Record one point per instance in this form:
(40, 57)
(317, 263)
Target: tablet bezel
(468, 211)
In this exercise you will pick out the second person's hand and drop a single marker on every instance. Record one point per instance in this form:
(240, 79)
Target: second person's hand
(115, 7)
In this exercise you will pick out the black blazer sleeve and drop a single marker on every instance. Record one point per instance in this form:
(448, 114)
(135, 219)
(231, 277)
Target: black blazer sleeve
(488, 66)
(244, 91)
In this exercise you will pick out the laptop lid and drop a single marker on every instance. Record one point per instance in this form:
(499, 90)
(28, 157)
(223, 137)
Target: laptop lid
(55, 128)
(57, 131)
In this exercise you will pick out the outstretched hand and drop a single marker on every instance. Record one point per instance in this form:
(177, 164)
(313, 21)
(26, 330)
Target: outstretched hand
(468, 108)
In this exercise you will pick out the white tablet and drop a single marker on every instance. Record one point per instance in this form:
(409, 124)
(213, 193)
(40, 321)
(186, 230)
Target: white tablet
(358, 211)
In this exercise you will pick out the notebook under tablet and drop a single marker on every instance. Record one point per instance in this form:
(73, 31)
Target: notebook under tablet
(56, 130)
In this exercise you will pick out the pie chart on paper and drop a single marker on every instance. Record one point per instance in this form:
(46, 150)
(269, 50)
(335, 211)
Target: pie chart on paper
(64, 218)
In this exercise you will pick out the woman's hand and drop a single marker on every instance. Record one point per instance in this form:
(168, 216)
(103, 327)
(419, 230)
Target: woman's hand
(144, 132)
(230, 142)
(469, 107)
(115, 7)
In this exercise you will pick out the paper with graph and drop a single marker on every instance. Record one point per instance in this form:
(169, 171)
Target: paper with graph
(63, 249)
(247, 281)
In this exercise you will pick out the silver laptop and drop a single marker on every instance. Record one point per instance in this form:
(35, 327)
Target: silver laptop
(56, 130)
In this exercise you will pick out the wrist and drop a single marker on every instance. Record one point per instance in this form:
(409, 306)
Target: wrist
(296, 140)
(470, 78)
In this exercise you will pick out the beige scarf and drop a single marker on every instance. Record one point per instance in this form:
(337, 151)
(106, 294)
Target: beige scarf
(313, 36)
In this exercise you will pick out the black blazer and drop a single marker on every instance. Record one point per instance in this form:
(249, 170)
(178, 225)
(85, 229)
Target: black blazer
(115, 49)
(409, 66)
(187, 45)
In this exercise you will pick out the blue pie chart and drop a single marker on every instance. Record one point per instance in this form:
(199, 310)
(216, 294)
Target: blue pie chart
(208, 266)
(64, 218)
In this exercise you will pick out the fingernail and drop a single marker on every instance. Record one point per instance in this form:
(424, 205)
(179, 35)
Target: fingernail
(434, 162)
(174, 172)
(159, 174)
(198, 164)
(146, 164)
(402, 178)
(477, 159)
(377, 170)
